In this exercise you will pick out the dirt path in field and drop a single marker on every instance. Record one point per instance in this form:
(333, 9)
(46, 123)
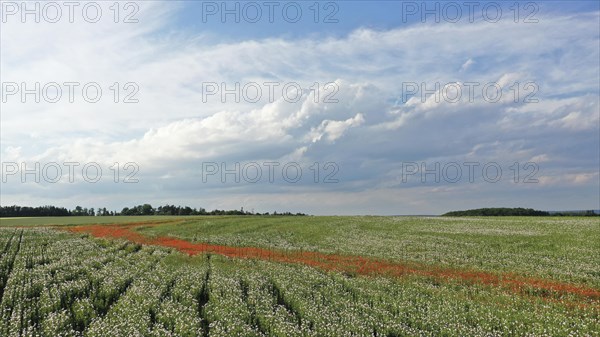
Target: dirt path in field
(352, 265)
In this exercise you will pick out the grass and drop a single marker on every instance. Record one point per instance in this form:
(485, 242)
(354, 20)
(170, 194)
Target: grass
(551, 247)
(561, 248)
(53, 282)
(78, 220)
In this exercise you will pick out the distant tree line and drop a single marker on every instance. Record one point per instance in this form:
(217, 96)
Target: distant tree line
(499, 212)
(145, 209)
(514, 212)
(14, 211)
(575, 213)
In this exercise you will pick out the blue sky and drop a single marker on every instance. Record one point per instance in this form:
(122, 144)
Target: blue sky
(366, 108)
(338, 18)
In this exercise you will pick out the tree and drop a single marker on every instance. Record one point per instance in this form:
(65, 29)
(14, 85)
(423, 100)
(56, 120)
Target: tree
(147, 209)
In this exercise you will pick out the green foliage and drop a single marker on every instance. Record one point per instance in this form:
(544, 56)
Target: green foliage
(533, 246)
(139, 210)
(498, 212)
(60, 284)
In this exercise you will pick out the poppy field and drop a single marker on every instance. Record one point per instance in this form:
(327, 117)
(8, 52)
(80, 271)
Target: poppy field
(300, 276)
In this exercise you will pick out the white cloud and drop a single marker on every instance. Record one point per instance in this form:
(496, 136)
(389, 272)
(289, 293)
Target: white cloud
(541, 158)
(467, 64)
(335, 129)
(569, 179)
(171, 130)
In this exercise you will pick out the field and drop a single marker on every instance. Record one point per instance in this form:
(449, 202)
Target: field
(300, 276)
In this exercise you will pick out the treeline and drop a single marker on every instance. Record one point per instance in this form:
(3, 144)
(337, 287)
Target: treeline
(517, 212)
(498, 212)
(575, 213)
(15, 211)
(145, 209)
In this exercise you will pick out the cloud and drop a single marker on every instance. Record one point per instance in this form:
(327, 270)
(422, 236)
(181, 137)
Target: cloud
(335, 129)
(467, 64)
(350, 109)
(569, 179)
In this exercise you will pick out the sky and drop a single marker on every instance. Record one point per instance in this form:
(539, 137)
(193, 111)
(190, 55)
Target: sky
(347, 107)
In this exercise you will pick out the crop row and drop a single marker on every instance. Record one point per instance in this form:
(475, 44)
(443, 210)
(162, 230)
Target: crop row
(555, 248)
(60, 284)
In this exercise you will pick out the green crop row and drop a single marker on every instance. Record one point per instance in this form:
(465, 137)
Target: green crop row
(60, 284)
